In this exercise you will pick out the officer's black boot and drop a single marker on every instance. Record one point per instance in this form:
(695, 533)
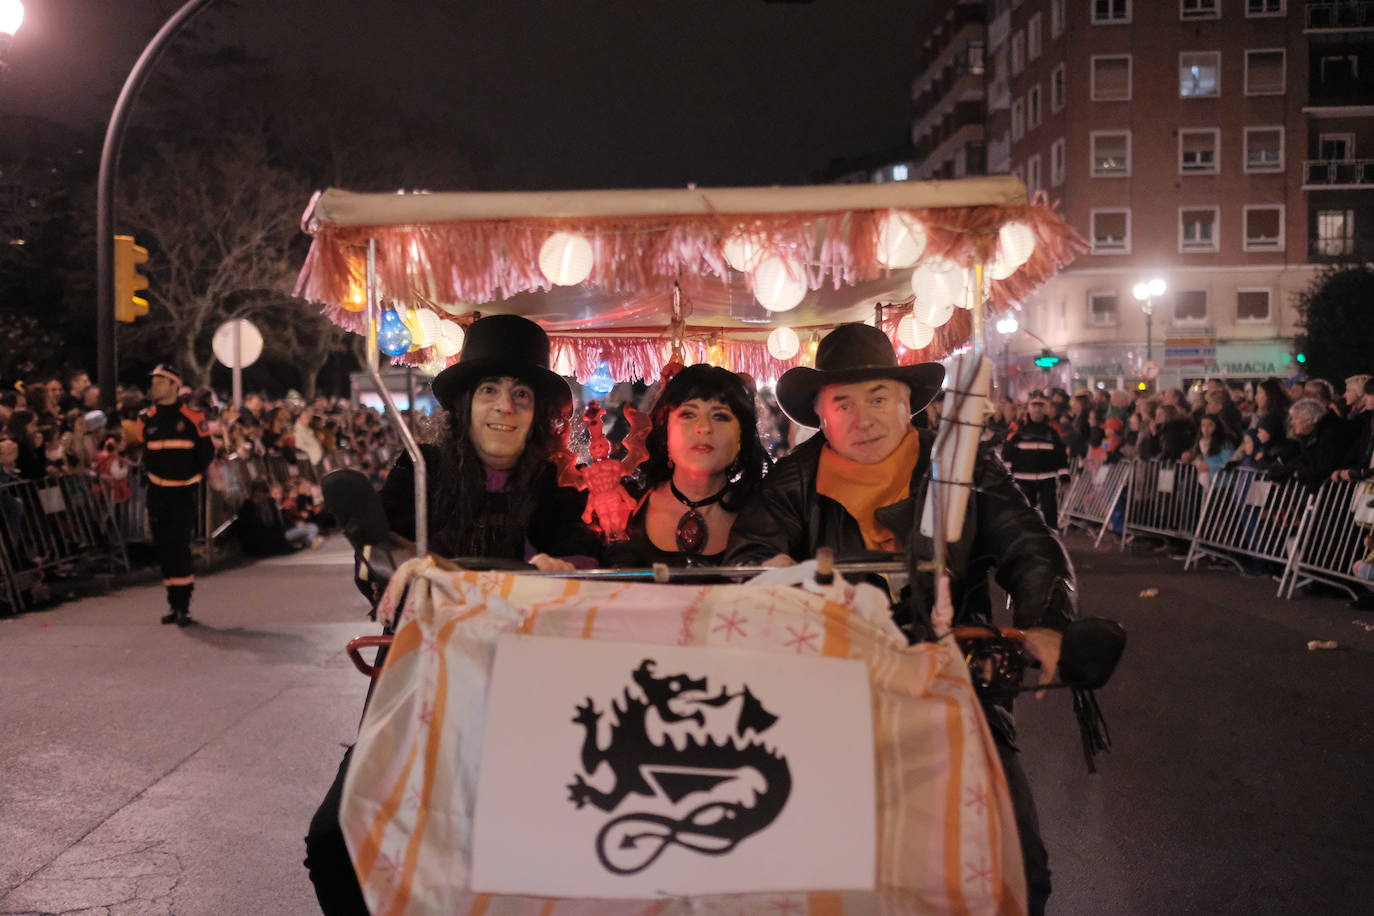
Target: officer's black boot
(179, 598)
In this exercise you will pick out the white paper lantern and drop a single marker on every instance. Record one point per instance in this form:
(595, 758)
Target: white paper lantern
(742, 250)
(901, 240)
(430, 326)
(937, 294)
(1015, 245)
(566, 258)
(779, 284)
(783, 343)
(913, 333)
(450, 339)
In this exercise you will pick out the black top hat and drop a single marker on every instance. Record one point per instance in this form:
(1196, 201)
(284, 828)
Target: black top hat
(853, 353)
(503, 345)
(167, 371)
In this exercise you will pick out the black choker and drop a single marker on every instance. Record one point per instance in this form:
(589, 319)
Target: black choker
(691, 530)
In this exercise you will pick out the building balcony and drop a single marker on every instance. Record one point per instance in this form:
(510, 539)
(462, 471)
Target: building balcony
(1339, 96)
(1337, 174)
(1340, 16)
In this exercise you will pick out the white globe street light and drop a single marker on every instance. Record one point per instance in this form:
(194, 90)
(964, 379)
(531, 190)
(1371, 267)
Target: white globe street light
(11, 16)
(1008, 325)
(1145, 292)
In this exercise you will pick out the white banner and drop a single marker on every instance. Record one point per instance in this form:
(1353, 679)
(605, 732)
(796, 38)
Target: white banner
(625, 770)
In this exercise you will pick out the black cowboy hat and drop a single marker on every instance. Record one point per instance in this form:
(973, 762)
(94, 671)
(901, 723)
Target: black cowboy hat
(853, 353)
(503, 345)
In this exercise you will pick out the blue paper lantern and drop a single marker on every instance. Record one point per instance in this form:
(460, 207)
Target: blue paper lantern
(393, 337)
(601, 382)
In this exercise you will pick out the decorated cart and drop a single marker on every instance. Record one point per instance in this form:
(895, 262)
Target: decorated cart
(549, 745)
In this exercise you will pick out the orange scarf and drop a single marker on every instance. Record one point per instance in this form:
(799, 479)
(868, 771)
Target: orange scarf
(863, 489)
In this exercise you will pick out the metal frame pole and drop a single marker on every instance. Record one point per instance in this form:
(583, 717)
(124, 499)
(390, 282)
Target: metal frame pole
(407, 437)
(107, 368)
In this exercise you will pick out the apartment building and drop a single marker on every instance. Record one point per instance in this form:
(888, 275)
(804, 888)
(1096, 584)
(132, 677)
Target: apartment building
(1214, 144)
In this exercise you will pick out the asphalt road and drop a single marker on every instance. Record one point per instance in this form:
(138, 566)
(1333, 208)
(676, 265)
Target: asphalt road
(148, 769)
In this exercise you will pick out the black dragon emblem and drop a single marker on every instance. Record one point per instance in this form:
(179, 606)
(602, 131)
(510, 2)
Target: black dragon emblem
(707, 782)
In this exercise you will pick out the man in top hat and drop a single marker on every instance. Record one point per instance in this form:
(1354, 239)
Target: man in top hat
(176, 451)
(859, 485)
(493, 493)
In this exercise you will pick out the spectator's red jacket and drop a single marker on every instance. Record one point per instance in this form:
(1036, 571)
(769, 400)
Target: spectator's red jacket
(176, 443)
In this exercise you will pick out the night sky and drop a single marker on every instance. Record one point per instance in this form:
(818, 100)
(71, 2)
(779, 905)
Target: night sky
(538, 94)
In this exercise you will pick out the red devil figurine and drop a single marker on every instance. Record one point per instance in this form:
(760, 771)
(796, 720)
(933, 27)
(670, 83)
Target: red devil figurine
(609, 506)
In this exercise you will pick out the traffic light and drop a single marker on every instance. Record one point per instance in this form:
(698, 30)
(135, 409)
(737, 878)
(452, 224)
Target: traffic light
(1301, 357)
(127, 280)
(1047, 360)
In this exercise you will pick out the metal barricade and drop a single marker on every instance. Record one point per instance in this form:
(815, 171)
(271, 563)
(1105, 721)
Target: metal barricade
(56, 525)
(1332, 540)
(1093, 496)
(1163, 498)
(1245, 515)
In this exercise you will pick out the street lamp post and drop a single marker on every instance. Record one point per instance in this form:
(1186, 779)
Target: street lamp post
(11, 17)
(1145, 292)
(106, 362)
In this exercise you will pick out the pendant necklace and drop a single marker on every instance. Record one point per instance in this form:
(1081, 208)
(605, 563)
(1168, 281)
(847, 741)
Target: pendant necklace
(691, 530)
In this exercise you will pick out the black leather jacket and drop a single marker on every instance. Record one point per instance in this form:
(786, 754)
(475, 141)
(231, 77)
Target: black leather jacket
(1001, 532)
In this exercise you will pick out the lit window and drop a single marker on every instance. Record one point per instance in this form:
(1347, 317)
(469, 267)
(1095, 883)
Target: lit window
(1057, 165)
(1057, 88)
(1111, 152)
(1264, 227)
(900, 172)
(1111, 78)
(1107, 12)
(1199, 9)
(1190, 305)
(1111, 231)
(1252, 304)
(1264, 72)
(1264, 149)
(1102, 308)
(1335, 232)
(1197, 229)
(1197, 151)
(1199, 74)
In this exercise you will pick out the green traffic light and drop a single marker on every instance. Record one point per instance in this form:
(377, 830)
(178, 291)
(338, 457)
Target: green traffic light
(1302, 357)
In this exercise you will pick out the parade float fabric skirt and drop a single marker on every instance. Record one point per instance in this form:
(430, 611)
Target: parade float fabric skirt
(946, 838)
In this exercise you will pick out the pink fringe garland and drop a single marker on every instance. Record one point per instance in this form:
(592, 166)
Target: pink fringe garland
(483, 261)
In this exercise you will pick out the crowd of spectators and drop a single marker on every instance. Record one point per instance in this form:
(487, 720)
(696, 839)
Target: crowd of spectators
(1287, 430)
(52, 428)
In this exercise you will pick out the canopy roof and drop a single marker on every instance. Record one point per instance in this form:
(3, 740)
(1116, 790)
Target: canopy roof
(456, 253)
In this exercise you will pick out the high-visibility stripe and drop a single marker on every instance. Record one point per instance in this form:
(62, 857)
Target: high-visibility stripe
(180, 580)
(156, 444)
(1032, 446)
(1047, 475)
(164, 482)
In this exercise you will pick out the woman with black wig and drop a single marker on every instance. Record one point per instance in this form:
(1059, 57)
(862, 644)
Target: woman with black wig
(493, 490)
(705, 461)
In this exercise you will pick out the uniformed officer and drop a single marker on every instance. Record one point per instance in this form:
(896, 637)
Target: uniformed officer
(177, 450)
(1035, 454)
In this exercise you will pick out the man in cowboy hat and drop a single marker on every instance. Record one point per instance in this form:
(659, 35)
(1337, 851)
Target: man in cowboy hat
(176, 451)
(858, 486)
